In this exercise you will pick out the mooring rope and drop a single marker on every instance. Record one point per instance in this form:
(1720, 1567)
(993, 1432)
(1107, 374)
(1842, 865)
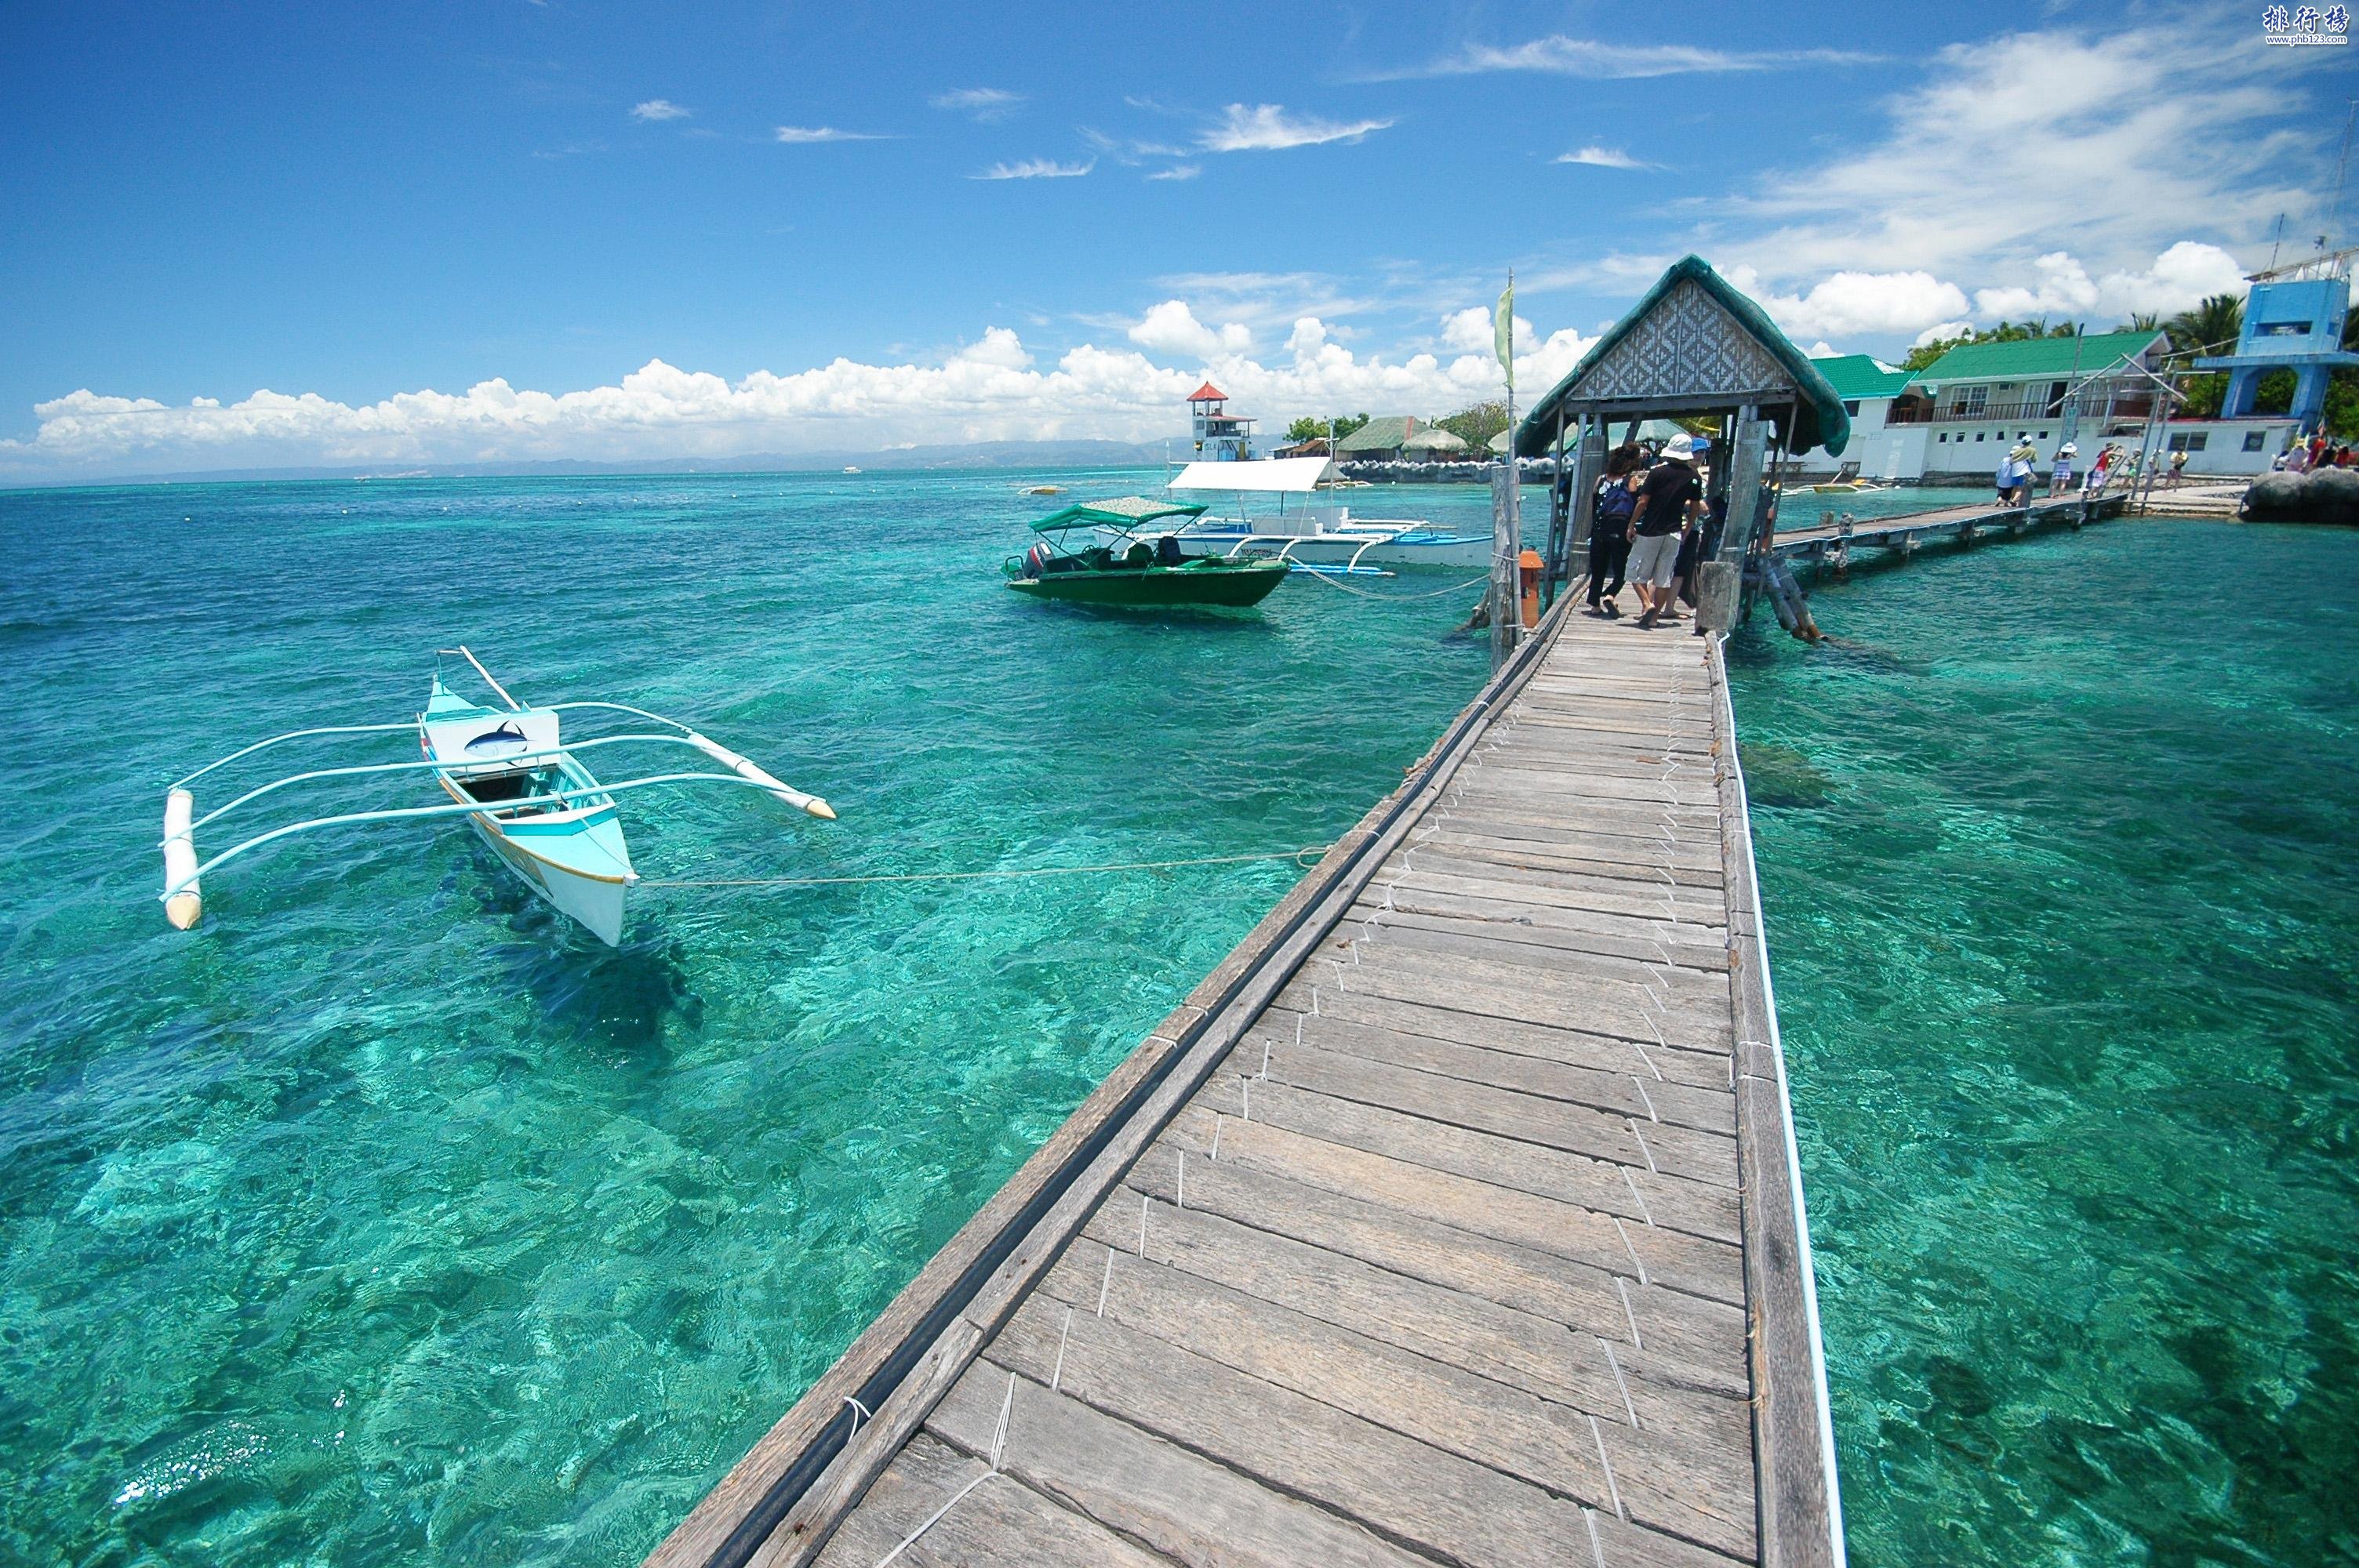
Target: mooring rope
(1305, 858)
(1399, 598)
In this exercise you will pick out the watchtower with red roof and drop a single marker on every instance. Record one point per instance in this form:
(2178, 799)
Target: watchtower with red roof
(1221, 436)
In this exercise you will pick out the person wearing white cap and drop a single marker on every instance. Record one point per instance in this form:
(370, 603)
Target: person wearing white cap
(2059, 479)
(1668, 503)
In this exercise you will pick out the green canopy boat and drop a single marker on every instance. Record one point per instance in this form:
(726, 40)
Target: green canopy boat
(1129, 565)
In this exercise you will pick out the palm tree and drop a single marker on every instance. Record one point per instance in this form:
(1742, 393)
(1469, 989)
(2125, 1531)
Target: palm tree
(2143, 321)
(2212, 328)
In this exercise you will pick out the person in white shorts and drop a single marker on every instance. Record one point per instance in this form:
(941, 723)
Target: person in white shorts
(1668, 503)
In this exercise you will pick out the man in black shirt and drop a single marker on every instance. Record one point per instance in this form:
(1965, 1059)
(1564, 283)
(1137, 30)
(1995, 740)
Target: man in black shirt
(1668, 503)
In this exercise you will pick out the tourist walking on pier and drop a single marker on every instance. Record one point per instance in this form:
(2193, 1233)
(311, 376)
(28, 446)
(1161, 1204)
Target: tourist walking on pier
(1609, 533)
(2015, 475)
(2099, 472)
(1666, 510)
(2178, 466)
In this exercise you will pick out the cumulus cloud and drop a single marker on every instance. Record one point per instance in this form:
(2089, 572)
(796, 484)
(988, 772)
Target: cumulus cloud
(1558, 55)
(1850, 303)
(658, 109)
(2016, 140)
(988, 104)
(1597, 156)
(1940, 332)
(800, 135)
(1035, 168)
(990, 389)
(1266, 127)
(1171, 327)
(2179, 278)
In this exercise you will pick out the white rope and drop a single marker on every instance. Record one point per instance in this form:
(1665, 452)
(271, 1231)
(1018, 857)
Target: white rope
(1399, 597)
(860, 1413)
(998, 1448)
(1295, 855)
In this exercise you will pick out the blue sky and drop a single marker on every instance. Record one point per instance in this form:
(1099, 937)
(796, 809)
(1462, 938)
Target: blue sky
(663, 231)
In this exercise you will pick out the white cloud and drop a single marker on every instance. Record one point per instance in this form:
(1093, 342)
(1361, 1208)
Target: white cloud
(1597, 156)
(660, 109)
(1264, 127)
(2015, 141)
(1035, 168)
(1178, 172)
(990, 389)
(1172, 329)
(988, 104)
(1850, 303)
(1823, 350)
(1940, 332)
(1561, 56)
(2179, 278)
(800, 135)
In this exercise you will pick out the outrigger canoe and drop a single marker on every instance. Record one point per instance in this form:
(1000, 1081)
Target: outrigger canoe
(509, 774)
(1130, 566)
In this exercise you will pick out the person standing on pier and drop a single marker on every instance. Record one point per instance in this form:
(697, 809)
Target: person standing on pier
(1668, 503)
(2178, 466)
(1609, 531)
(2059, 480)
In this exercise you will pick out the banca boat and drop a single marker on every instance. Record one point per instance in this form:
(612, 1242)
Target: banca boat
(506, 771)
(1132, 564)
(1312, 535)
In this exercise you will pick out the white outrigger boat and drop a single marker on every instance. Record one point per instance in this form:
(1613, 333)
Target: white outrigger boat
(1311, 536)
(506, 772)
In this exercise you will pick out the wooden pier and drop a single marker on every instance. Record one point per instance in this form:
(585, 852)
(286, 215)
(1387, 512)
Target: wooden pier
(1830, 540)
(1454, 1219)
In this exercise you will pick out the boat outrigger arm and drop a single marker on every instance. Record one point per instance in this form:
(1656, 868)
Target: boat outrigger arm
(182, 897)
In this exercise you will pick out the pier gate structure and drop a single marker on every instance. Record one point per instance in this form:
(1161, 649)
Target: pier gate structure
(1695, 348)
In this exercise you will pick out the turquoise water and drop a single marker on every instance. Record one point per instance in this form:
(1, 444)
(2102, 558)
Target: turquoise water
(2058, 859)
(389, 1217)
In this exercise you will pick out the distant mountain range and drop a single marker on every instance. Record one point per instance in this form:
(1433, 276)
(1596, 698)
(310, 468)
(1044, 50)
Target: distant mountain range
(970, 455)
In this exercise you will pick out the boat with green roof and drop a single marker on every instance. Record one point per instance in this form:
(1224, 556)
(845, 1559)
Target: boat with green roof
(1123, 561)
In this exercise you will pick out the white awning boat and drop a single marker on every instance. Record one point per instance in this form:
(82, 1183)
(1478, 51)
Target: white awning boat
(1283, 520)
(507, 771)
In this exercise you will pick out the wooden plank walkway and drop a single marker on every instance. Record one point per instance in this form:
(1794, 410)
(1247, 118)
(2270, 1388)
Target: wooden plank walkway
(1454, 1219)
(1826, 541)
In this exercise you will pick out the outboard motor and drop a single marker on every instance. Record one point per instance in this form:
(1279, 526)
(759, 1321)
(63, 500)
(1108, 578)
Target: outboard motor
(1036, 560)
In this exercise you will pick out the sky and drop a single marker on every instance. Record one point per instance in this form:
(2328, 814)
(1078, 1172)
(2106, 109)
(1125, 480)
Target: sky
(240, 235)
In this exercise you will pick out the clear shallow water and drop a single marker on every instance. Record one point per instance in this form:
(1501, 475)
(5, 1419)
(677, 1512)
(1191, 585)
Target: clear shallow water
(2058, 865)
(391, 1219)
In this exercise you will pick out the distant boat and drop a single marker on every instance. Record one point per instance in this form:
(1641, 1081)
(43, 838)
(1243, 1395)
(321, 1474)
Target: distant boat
(505, 770)
(1137, 569)
(1046, 490)
(1315, 536)
(850, 468)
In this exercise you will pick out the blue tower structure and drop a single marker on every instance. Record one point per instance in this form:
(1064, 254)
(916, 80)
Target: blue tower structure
(2293, 324)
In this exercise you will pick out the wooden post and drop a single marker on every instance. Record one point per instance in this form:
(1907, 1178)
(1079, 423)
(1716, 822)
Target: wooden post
(1746, 494)
(1588, 467)
(1504, 544)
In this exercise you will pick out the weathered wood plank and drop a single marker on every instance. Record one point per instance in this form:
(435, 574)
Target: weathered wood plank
(1620, 1092)
(1002, 1522)
(1407, 1490)
(1151, 1491)
(1676, 1339)
(1600, 1238)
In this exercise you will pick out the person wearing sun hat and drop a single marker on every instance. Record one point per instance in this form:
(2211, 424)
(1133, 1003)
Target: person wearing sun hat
(2059, 479)
(1666, 510)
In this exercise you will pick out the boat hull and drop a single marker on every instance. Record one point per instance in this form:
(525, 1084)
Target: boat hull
(593, 900)
(1228, 587)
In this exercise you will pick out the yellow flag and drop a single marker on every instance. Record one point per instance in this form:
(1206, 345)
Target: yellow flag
(1503, 332)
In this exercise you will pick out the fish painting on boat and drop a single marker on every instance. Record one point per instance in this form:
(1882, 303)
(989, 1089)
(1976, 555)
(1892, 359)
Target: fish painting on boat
(511, 774)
